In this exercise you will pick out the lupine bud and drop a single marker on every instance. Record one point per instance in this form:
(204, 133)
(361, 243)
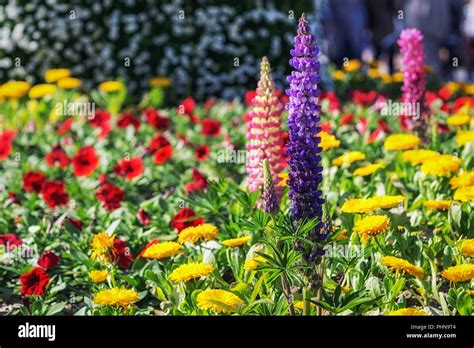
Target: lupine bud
(270, 199)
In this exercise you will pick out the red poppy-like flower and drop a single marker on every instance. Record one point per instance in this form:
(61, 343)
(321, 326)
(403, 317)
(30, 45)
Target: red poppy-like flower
(202, 152)
(10, 240)
(460, 102)
(143, 217)
(211, 127)
(326, 127)
(361, 126)
(185, 218)
(158, 142)
(364, 98)
(209, 103)
(54, 193)
(111, 196)
(48, 260)
(199, 182)
(127, 119)
(445, 93)
(6, 143)
(187, 106)
(101, 120)
(85, 161)
(121, 254)
(64, 127)
(332, 99)
(33, 181)
(57, 157)
(430, 97)
(155, 119)
(76, 223)
(346, 119)
(129, 168)
(376, 135)
(149, 244)
(249, 97)
(34, 282)
(162, 155)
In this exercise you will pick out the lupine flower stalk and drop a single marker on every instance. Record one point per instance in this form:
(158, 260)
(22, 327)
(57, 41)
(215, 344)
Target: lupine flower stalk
(270, 199)
(414, 84)
(264, 131)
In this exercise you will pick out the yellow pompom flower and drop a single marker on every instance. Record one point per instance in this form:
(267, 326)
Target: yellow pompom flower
(197, 233)
(418, 156)
(234, 242)
(348, 158)
(401, 142)
(338, 75)
(398, 77)
(462, 180)
(464, 137)
(368, 169)
(372, 225)
(458, 120)
(162, 250)
(459, 273)
(116, 297)
(358, 205)
(386, 78)
(398, 264)
(159, 82)
(438, 204)
(54, 75)
(101, 243)
(352, 65)
(190, 271)
(14, 89)
(467, 247)
(42, 90)
(464, 194)
(252, 264)
(111, 86)
(408, 312)
(442, 165)
(205, 300)
(328, 141)
(99, 276)
(387, 202)
(69, 83)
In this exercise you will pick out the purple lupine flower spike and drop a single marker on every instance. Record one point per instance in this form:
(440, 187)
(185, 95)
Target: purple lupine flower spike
(270, 199)
(305, 171)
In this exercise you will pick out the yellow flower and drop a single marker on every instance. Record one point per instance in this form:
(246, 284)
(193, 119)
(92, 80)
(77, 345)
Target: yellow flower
(42, 90)
(111, 86)
(284, 177)
(206, 298)
(116, 297)
(368, 169)
(470, 292)
(361, 205)
(398, 264)
(387, 202)
(462, 180)
(53, 75)
(464, 194)
(418, 156)
(69, 83)
(300, 305)
(442, 165)
(159, 81)
(386, 78)
(190, 271)
(162, 250)
(398, 77)
(341, 235)
(469, 89)
(328, 141)
(453, 86)
(459, 273)
(458, 120)
(236, 241)
(14, 89)
(464, 137)
(467, 247)
(348, 158)
(372, 225)
(101, 243)
(352, 65)
(195, 233)
(408, 312)
(438, 205)
(99, 276)
(338, 75)
(252, 264)
(401, 142)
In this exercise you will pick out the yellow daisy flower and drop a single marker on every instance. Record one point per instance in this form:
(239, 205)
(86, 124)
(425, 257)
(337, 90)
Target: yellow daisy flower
(368, 169)
(408, 312)
(328, 141)
(348, 158)
(401, 142)
(442, 165)
(459, 273)
(54, 75)
(398, 264)
(117, 297)
(111, 86)
(14, 89)
(418, 156)
(162, 250)
(458, 120)
(387, 202)
(101, 243)
(69, 83)
(190, 271)
(464, 194)
(196, 233)
(159, 81)
(398, 77)
(464, 137)
(252, 264)
(467, 247)
(372, 225)
(99, 276)
(358, 205)
(338, 75)
(234, 242)
(438, 204)
(352, 65)
(42, 90)
(205, 300)
(462, 180)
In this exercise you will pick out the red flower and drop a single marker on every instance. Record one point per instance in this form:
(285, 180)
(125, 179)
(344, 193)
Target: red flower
(48, 260)
(333, 100)
(158, 142)
(202, 152)
(33, 181)
(209, 103)
(54, 193)
(362, 124)
(101, 120)
(162, 155)
(185, 218)
(249, 97)
(143, 217)
(155, 119)
(211, 127)
(346, 119)
(187, 106)
(445, 93)
(376, 135)
(120, 254)
(364, 98)
(85, 161)
(326, 127)
(199, 182)
(10, 240)
(6, 143)
(129, 168)
(57, 157)
(460, 102)
(76, 223)
(149, 244)
(111, 196)
(65, 127)
(35, 282)
(127, 119)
